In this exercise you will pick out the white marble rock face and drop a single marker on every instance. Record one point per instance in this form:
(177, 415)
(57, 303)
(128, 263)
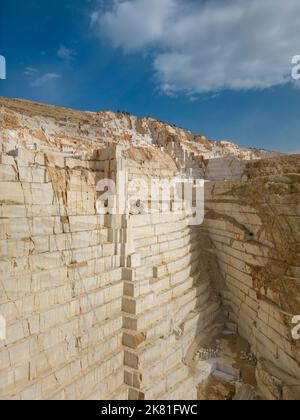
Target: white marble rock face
(119, 306)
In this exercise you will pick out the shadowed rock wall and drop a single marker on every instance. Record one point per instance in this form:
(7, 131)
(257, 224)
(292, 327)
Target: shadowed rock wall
(254, 226)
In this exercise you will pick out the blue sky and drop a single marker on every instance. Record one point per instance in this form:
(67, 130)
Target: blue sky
(222, 68)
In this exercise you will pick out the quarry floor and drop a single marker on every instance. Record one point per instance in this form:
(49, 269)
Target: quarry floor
(226, 386)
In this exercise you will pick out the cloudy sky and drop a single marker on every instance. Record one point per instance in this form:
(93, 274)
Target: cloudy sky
(218, 67)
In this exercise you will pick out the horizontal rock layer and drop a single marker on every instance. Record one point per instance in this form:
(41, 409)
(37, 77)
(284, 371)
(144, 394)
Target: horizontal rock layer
(110, 306)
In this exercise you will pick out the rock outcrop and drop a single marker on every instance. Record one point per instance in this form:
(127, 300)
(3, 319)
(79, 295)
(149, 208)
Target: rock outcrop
(141, 304)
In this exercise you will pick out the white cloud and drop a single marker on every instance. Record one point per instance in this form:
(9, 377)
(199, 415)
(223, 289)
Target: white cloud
(36, 79)
(135, 24)
(30, 71)
(94, 16)
(44, 79)
(65, 53)
(208, 45)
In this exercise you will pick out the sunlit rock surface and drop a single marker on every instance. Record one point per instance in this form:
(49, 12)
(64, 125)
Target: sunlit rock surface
(143, 305)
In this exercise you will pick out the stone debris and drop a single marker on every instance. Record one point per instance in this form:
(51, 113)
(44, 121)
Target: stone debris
(245, 392)
(206, 354)
(216, 389)
(248, 357)
(178, 332)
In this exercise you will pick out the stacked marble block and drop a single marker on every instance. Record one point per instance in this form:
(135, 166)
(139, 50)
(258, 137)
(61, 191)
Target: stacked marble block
(166, 304)
(228, 168)
(97, 306)
(166, 301)
(61, 282)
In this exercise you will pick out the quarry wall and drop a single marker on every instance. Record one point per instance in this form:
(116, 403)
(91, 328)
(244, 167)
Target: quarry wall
(107, 305)
(254, 227)
(97, 306)
(61, 282)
